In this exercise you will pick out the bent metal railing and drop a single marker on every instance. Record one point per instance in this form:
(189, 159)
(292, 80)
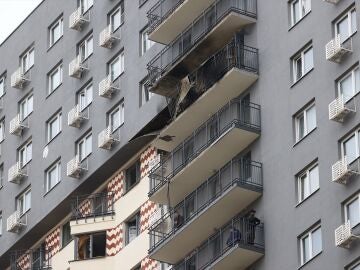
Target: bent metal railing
(236, 114)
(37, 259)
(239, 171)
(93, 206)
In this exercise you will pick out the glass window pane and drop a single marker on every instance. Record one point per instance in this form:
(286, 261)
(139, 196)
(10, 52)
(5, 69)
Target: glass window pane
(90, 47)
(306, 6)
(343, 28)
(27, 201)
(353, 212)
(308, 60)
(301, 127)
(357, 80)
(311, 119)
(346, 87)
(30, 104)
(350, 149)
(316, 242)
(304, 186)
(306, 249)
(298, 68)
(296, 11)
(2, 87)
(88, 145)
(353, 22)
(115, 20)
(314, 179)
(115, 69)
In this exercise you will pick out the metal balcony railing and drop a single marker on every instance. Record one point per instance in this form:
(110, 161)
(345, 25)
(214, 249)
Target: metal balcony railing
(239, 232)
(93, 206)
(239, 171)
(237, 113)
(195, 32)
(38, 259)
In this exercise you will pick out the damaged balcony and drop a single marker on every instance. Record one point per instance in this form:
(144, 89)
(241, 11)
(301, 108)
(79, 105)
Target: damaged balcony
(168, 18)
(202, 38)
(223, 195)
(221, 78)
(37, 259)
(219, 139)
(235, 246)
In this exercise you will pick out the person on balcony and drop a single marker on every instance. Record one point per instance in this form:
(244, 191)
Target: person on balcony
(178, 220)
(252, 222)
(234, 237)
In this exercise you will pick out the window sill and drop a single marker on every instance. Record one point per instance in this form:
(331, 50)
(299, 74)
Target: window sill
(133, 186)
(303, 138)
(53, 138)
(47, 192)
(52, 91)
(88, 259)
(298, 22)
(348, 38)
(306, 263)
(303, 76)
(56, 42)
(308, 197)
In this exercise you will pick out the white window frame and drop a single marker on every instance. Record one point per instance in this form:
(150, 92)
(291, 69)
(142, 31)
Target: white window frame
(301, 56)
(301, 239)
(357, 143)
(348, 16)
(56, 118)
(58, 23)
(1, 223)
(57, 69)
(119, 10)
(118, 109)
(145, 42)
(2, 130)
(120, 60)
(85, 96)
(2, 85)
(1, 174)
(28, 104)
(25, 154)
(346, 214)
(302, 10)
(85, 5)
(87, 151)
(22, 197)
(303, 114)
(84, 50)
(27, 60)
(146, 95)
(57, 167)
(351, 73)
(306, 173)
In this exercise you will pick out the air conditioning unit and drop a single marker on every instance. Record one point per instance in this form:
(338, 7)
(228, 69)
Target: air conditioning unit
(344, 236)
(107, 87)
(336, 50)
(16, 222)
(76, 116)
(19, 78)
(108, 137)
(78, 19)
(17, 126)
(16, 173)
(107, 37)
(338, 109)
(341, 172)
(77, 67)
(332, 1)
(75, 167)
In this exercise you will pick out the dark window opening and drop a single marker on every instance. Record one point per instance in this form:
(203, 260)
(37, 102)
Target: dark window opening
(66, 234)
(132, 176)
(132, 228)
(91, 246)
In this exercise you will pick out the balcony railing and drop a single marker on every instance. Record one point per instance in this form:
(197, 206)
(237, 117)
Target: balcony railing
(93, 206)
(237, 113)
(196, 31)
(242, 172)
(240, 232)
(38, 259)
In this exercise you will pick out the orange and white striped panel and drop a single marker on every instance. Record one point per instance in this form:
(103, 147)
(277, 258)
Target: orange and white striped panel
(149, 154)
(114, 240)
(85, 207)
(149, 264)
(116, 186)
(23, 262)
(146, 210)
(52, 242)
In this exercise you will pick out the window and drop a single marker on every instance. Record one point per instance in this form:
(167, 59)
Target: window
(26, 107)
(85, 48)
(346, 25)
(116, 117)
(1, 175)
(56, 31)
(55, 78)
(1, 223)
(85, 5)
(116, 67)
(53, 175)
(132, 228)
(310, 244)
(85, 96)
(308, 182)
(91, 246)
(84, 147)
(66, 236)
(355, 266)
(25, 154)
(116, 17)
(145, 94)
(2, 85)
(305, 122)
(350, 147)
(349, 85)
(2, 130)
(27, 60)
(145, 42)
(132, 176)
(54, 126)
(24, 202)
(352, 210)
(303, 63)
(299, 8)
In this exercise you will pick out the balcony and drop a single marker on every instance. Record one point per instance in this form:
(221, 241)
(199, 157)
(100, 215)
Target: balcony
(107, 87)
(37, 259)
(223, 195)
(344, 235)
(107, 37)
(16, 222)
(223, 77)
(336, 50)
(77, 67)
(17, 173)
(17, 125)
(339, 109)
(108, 137)
(77, 19)
(343, 170)
(77, 115)
(76, 167)
(224, 135)
(168, 18)
(205, 36)
(19, 79)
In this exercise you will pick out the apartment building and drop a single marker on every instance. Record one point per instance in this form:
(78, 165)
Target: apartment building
(183, 135)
